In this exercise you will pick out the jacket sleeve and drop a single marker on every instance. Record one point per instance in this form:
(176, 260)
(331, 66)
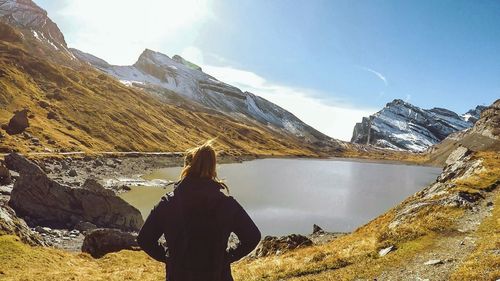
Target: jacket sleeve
(247, 232)
(151, 232)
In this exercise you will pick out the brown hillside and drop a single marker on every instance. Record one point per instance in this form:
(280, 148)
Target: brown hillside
(75, 108)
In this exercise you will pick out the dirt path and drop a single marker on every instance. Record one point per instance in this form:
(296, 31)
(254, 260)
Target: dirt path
(440, 261)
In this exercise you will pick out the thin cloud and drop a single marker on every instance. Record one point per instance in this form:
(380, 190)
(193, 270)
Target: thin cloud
(378, 74)
(333, 118)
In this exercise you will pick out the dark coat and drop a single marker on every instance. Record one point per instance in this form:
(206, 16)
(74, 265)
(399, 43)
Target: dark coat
(196, 220)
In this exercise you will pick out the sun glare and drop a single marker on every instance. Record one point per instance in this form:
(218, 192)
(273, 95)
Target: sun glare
(126, 26)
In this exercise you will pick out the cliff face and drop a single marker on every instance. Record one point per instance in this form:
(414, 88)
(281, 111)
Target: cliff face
(403, 126)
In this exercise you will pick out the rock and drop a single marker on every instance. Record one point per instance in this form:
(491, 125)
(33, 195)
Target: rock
(72, 173)
(385, 251)
(64, 165)
(101, 241)
(43, 104)
(5, 177)
(5, 189)
(489, 204)
(43, 230)
(457, 154)
(433, 262)
(271, 245)
(18, 123)
(50, 203)
(10, 224)
(84, 226)
(94, 185)
(52, 116)
(98, 163)
(317, 229)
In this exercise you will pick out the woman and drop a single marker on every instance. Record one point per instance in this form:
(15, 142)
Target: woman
(196, 220)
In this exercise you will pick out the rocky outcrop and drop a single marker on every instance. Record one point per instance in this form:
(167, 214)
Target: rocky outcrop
(18, 123)
(26, 14)
(185, 62)
(403, 126)
(461, 164)
(10, 224)
(272, 245)
(5, 177)
(483, 136)
(101, 241)
(50, 203)
(474, 114)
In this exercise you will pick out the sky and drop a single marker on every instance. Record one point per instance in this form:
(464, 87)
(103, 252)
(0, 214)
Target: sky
(329, 62)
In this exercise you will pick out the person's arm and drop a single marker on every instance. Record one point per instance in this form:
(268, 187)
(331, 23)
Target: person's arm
(247, 232)
(151, 232)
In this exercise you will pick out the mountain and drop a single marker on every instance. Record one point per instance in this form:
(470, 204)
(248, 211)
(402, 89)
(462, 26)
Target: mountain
(176, 79)
(403, 126)
(69, 105)
(483, 136)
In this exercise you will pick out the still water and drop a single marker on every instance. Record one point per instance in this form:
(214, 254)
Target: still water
(286, 196)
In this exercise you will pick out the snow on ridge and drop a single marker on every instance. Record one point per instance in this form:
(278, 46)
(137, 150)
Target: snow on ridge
(159, 70)
(403, 125)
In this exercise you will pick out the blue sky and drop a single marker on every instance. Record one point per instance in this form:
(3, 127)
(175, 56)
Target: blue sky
(329, 62)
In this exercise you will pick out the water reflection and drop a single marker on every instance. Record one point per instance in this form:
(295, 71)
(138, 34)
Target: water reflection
(289, 195)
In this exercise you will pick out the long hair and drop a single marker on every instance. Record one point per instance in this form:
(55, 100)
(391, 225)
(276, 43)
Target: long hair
(201, 162)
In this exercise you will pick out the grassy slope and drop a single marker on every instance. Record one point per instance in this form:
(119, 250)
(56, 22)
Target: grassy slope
(347, 258)
(97, 113)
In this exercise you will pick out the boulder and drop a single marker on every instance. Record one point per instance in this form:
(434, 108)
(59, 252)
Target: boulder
(387, 250)
(5, 177)
(272, 245)
(94, 185)
(10, 224)
(72, 173)
(84, 226)
(53, 204)
(52, 116)
(317, 229)
(18, 123)
(101, 241)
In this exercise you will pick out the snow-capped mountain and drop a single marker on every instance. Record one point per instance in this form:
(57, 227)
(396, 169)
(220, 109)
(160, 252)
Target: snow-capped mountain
(176, 79)
(474, 114)
(403, 126)
(26, 14)
(35, 25)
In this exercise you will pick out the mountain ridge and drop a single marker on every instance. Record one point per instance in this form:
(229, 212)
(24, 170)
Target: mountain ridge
(403, 126)
(157, 70)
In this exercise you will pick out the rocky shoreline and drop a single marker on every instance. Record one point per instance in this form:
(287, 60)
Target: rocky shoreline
(90, 179)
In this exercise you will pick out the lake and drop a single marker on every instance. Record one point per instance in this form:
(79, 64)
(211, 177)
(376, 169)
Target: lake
(286, 196)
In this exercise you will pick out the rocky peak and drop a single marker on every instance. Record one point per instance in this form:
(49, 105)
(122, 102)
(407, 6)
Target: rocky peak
(474, 114)
(185, 62)
(25, 14)
(150, 56)
(401, 125)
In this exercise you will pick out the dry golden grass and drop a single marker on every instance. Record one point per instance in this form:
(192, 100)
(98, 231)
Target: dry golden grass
(484, 262)
(346, 258)
(97, 113)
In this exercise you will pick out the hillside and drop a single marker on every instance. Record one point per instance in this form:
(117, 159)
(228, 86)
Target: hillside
(447, 231)
(403, 126)
(73, 107)
(178, 81)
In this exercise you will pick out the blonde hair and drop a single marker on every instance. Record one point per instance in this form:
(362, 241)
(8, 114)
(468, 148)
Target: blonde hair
(201, 162)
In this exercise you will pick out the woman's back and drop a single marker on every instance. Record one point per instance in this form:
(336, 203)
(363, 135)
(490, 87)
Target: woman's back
(196, 220)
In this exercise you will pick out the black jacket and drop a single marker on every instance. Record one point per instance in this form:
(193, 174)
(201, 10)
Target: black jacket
(196, 220)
